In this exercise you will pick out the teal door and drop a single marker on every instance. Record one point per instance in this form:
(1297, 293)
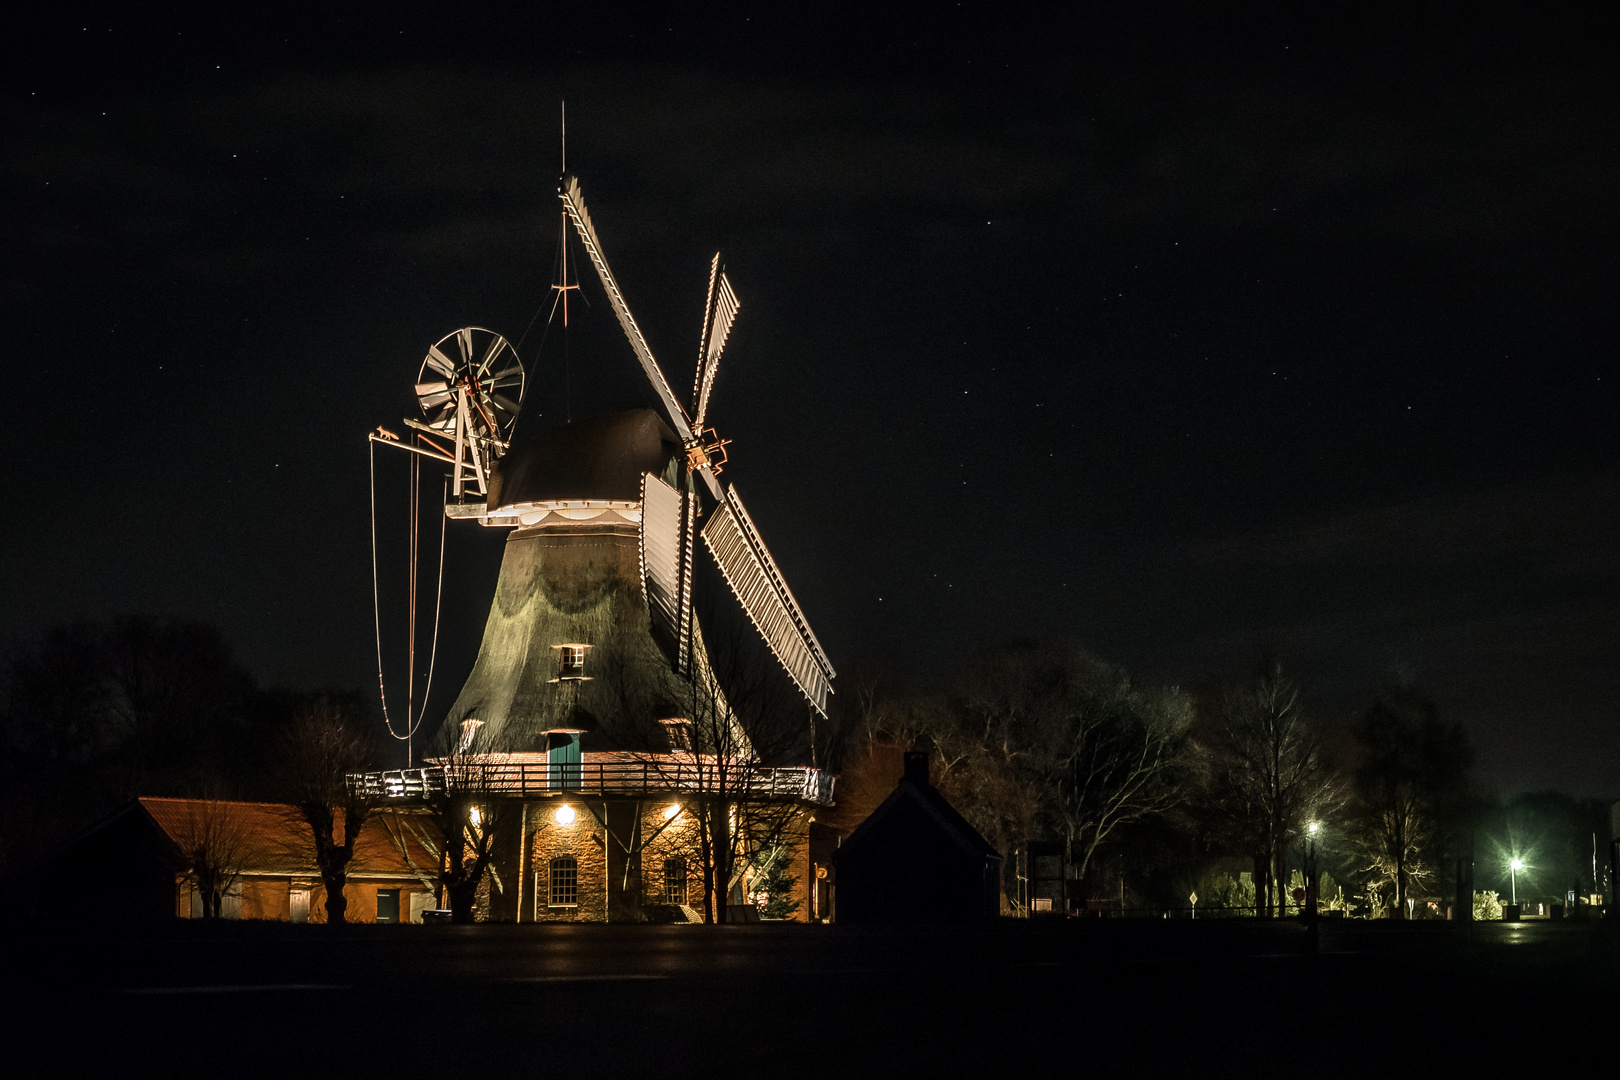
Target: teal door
(563, 761)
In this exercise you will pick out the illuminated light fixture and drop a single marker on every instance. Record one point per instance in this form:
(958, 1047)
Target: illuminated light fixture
(564, 815)
(1313, 828)
(671, 811)
(475, 817)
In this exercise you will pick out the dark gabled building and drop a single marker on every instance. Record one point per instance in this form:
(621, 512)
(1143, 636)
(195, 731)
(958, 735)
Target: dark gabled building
(915, 859)
(124, 868)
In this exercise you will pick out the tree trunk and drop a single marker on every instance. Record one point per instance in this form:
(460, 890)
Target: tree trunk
(1279, 891)
(721, 827)
(1400, 868)
(461, 886)
(333, 862)
(337, 904)
(706, 855)
(463, 897)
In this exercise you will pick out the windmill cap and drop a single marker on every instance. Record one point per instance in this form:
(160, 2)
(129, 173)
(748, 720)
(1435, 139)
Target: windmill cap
(602, 457)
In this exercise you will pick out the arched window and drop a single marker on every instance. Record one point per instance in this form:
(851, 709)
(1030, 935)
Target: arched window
(564, 881)
(674, 881)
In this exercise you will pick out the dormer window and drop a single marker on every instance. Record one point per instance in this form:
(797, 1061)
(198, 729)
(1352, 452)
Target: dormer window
(571, 662)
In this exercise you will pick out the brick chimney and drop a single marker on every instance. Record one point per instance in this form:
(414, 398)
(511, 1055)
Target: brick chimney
(917, 767)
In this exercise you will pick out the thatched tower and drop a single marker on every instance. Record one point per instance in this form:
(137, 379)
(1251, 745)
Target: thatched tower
(571, 579)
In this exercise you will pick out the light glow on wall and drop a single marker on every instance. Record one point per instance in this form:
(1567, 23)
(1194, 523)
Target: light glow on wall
(564, 815)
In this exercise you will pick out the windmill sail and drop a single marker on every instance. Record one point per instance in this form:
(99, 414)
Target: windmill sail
(752, 574)
(719, 312)
(574, 203)
(666, 563)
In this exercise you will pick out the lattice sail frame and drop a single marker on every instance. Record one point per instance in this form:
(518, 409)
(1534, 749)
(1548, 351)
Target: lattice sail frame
(666, 562)
(760, 588)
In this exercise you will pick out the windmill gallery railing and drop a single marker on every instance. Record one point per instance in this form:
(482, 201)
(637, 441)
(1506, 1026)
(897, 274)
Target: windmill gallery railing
(631, 779)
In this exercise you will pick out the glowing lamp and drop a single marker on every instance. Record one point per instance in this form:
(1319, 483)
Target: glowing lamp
(564, 815)
(671, 810)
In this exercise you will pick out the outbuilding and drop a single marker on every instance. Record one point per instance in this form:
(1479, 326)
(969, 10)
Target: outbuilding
(915, 859)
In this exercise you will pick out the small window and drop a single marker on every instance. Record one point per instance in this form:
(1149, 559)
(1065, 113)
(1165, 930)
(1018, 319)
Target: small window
(571, 662)
(679, 733)
(674, 881)
(564, 881)
(388, 905)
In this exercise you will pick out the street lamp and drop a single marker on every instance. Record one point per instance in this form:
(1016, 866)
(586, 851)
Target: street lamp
(1514, 866)
(1312, 831)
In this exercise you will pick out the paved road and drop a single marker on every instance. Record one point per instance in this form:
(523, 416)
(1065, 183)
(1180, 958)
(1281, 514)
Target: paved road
(1208, 998)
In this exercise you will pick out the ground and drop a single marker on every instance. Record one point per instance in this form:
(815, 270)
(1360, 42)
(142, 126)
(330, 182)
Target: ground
(1209, 998)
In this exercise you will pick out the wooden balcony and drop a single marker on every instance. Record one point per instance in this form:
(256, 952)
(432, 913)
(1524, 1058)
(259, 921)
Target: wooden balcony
(596, 779)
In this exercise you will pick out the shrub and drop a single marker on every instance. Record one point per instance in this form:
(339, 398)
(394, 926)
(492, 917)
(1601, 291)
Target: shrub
(1487, 906)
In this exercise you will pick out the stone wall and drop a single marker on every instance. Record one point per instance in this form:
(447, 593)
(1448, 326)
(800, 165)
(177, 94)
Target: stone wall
(614, 879)
(582, 839)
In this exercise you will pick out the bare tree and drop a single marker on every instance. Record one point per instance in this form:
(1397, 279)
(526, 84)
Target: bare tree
(741, 719)
(1412, 788)
(469, 817)
(324, 743)
(1048, 739)
(1120, 760)
(1268, 773)
(214, 836)
(174, 700)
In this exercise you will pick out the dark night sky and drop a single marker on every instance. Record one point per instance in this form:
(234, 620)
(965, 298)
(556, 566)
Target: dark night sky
(1185, 338)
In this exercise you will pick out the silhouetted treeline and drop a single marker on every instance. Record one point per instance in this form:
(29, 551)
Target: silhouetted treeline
(95, 714)
(1166, 798)
(1157, 794)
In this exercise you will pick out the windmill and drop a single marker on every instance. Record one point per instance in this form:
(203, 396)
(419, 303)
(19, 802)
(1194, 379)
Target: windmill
(593, 686)
(596, 505)
(670, 514)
